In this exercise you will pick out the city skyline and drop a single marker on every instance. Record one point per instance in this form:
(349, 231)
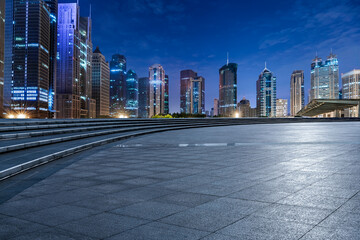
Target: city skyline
(248, 45)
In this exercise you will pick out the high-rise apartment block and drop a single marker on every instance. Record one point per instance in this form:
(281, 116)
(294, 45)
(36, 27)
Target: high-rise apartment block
(351, 90)
(117, 85)
(297, 93)
(132, 88)
(166, 95)
(2, 46)
(28, 46)
(266, 94)
(100, 83)
(192, 93)
(144, 88)
(216, 107)
(281, 108)
(325, 78)
(228, 90)
(157, 90)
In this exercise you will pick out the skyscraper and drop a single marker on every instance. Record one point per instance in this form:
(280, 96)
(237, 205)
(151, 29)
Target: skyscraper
(266, 94)
(192, 92)
(228, 90)
(68, 62)
(325, 78)
(157, 90)
(85, 28)
(132, 88)
(281, 108)
(144, 88)
(2, 41)
(53, 6)
(166, 95)
(100, 83)
(297, 93)
(351, 90)
(117, 85)
(185, 79)
(27, 57)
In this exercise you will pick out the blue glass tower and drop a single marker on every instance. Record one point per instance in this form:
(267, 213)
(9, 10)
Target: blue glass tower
(266, 94)
(132, 88)
(228, 90)
(2, 41)
(117, 84)
(144, 88)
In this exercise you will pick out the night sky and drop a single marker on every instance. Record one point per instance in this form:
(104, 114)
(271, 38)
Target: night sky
(196, 34)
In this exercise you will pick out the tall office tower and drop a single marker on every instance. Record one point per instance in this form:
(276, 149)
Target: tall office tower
(297, 93)
(185, 78)
(351, 90)
(228, 90)
(85, 25)
(2, 41)
(197, 95)
(68, 64)
(117, 85)
(132, 97)
(281, 107)
(144, 88)
(100, 83)
(325, 78)
(27, 54)
(53, 6)
(192, 92)
(216, 107)
(266, 94)
(157, 90)
(166, 95)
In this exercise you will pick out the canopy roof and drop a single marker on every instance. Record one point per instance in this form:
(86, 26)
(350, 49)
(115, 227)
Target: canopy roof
(321, 106)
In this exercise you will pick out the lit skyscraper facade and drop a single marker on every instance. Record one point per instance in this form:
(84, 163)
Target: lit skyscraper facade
(53, 6)
(324, 78)
(228, 90)
(216, 107)
(68, 62)
(166, 95)
(157, 90)
(144, 88)
(185, 79)
(192, 93)
(27, 57)
(297, 93)
(117, 84)
(266, 94)
(100, 83)
(85, 28)
(351, 90)
(2, 46)
(132, 88)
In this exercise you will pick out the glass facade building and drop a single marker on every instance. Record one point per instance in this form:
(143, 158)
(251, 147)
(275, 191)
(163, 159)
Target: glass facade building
(2, 46)
(192, 93)
(166, 95)
(351, 90)
(68, 62)
(132, 88)
(27, 57)
(144, 88)
(185, 79)
(297, 92)
(228, 90)
(325, 78)
(157, 90)
(266, 94)
(100, 83)
(117, 84)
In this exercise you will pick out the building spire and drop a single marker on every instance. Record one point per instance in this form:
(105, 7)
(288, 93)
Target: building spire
(90, 11)
(265, 64)
(227, 59)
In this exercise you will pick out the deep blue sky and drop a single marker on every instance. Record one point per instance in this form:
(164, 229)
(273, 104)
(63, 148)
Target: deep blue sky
(196, 34)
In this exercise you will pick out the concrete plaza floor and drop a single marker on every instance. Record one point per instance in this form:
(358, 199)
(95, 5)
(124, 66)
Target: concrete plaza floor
(279, 181)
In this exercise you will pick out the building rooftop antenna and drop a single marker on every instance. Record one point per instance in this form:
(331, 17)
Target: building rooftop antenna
(227, 59)
(90, 11)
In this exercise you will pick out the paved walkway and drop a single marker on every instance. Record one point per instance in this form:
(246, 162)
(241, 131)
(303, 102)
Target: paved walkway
(281, 181)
